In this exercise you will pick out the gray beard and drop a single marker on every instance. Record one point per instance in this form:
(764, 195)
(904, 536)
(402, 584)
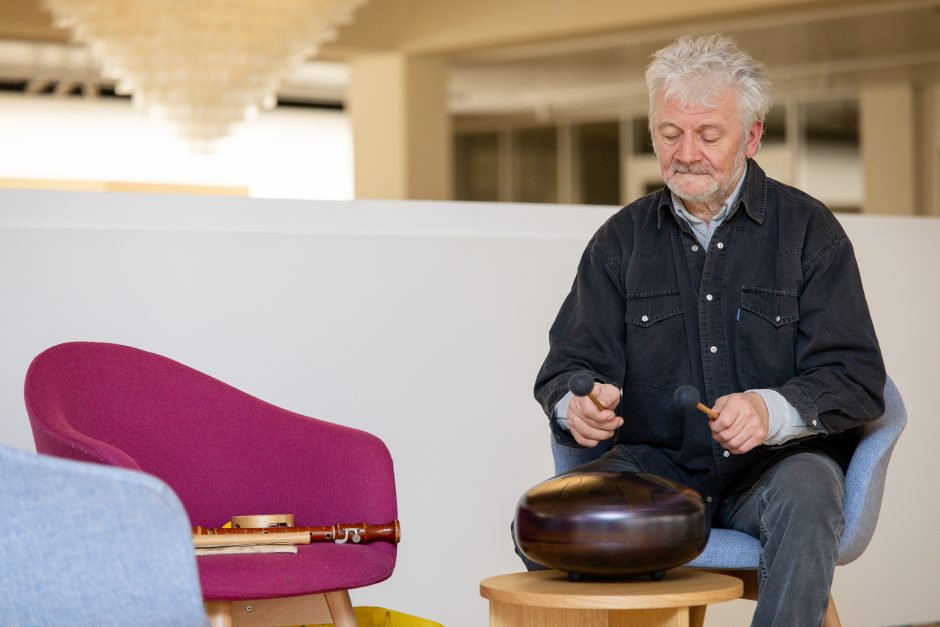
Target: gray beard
(717, 191)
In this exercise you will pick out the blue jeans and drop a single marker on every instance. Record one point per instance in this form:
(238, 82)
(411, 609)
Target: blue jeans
(794, 507)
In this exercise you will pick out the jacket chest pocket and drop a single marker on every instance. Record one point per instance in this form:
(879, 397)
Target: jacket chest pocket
(766, 327)
(657, 350)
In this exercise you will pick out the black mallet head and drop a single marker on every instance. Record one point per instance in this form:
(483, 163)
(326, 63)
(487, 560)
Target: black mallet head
(581, 384)
(686, 397)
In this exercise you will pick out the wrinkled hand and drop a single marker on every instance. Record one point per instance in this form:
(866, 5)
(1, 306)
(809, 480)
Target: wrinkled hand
(742, 422)
(589, 426)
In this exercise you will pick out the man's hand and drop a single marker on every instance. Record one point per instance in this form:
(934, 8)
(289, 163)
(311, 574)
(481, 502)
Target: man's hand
(589, 426)
(742, 422)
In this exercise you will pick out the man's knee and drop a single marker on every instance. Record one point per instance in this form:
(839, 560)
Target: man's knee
(810, 486)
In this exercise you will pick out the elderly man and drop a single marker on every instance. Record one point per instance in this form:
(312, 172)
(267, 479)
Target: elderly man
(746, 289)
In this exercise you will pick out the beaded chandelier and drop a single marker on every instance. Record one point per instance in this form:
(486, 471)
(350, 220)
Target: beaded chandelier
(204, 65)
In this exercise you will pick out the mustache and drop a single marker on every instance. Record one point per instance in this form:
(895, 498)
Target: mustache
(683, 168)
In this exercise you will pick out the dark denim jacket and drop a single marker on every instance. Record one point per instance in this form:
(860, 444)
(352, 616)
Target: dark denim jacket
(777, 302)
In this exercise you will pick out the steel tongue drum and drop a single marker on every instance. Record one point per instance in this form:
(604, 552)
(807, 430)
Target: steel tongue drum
(611, 524)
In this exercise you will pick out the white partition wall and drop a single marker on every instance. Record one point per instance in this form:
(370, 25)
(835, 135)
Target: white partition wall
(423, 323)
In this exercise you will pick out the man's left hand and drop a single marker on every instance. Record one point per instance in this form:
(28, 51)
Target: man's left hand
(742, 422)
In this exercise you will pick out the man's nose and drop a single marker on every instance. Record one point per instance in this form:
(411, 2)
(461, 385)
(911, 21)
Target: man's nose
(688, 151)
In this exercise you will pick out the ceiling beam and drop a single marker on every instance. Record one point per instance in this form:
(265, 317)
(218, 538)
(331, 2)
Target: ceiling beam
(461, 26)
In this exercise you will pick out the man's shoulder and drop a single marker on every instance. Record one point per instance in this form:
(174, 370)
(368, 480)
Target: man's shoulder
(640, 214)
(793, 197)
(648, 205)
(802, 213)
(636, 223)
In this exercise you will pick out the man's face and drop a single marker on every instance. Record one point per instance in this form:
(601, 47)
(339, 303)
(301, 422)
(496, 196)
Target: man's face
(702, 150)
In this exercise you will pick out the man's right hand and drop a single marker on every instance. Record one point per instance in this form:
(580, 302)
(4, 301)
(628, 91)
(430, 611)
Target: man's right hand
(587, 424)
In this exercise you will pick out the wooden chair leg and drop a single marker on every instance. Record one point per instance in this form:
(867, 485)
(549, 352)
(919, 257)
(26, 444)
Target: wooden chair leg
(219, 613)
(697, 616)
(341, 608)
(832, 616)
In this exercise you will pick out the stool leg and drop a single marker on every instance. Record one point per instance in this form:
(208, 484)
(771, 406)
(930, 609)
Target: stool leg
(341, 608)
(697, 616)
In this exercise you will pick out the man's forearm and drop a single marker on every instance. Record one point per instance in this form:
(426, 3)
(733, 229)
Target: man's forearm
(784, 421)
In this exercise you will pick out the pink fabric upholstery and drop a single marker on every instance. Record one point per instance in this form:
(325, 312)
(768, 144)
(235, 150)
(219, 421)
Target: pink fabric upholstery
(225, 454)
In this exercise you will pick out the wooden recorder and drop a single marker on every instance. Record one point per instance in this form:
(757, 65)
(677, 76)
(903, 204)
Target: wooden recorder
(340, 533)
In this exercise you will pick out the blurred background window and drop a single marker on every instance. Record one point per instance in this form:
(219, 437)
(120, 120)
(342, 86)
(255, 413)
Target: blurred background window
(597, 163)
(535, 164)
(476, 163)
(830, 163)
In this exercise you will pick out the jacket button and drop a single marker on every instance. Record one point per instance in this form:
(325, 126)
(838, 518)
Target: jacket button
(694, 248)
(645, 318)
(719, 245)
(713, 349)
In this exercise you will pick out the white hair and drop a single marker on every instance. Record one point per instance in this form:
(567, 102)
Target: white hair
(694, 71)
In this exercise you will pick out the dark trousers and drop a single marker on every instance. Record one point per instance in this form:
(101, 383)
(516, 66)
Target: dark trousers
(794, 507)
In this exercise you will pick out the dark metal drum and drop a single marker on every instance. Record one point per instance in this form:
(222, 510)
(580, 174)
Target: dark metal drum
(611, 524)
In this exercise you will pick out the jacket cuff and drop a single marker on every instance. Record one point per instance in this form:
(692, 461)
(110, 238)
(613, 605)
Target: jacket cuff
(804, 405)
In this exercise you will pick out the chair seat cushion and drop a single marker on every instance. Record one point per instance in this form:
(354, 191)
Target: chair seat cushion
(319, 567)
(728, 548)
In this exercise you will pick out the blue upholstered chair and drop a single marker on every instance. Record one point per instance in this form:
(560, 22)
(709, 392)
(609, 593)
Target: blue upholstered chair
(85, 544)
(737, 553)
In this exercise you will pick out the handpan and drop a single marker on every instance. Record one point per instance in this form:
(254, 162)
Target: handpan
(611, 524)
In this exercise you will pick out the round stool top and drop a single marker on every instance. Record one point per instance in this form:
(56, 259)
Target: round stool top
(682, 587)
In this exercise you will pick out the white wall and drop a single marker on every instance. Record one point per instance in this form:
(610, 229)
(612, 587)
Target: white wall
(284, 153)
(423, 323)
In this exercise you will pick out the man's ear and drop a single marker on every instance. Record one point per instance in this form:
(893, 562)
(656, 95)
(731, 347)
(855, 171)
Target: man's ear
(753, 139)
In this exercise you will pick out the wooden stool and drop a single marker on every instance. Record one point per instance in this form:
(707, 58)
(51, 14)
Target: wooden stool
(547, 598)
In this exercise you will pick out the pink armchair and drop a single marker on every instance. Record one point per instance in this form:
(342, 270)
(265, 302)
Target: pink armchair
(225, 453)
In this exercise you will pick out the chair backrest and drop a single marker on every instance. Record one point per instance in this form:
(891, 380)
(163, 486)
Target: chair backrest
(865, 478)
(83, 544)
(221, 450)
